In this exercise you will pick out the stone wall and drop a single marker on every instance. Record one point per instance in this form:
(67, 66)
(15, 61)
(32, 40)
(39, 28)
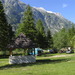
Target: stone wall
(21, 59)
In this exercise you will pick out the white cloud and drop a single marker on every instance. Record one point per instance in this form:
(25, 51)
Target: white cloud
(64, 5)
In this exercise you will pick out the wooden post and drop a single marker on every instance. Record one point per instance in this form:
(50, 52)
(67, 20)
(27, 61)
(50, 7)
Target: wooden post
(34, 51)
(27, 51)
(10, 52)
(24, 52)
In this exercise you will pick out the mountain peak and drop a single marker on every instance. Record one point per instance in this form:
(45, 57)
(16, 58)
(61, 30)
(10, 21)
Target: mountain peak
(41, 9)
(14, 10)
(50, 12)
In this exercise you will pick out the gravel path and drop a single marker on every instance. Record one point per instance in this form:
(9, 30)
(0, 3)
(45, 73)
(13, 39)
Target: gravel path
(56, 56)
(62, 55)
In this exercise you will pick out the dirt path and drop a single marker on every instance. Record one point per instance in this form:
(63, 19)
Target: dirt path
(62, 55)
(56, 56)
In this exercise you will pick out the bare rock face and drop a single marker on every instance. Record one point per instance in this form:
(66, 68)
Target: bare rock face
(14, 10)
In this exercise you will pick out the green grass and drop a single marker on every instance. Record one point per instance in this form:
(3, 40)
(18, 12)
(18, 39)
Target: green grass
(43, 66)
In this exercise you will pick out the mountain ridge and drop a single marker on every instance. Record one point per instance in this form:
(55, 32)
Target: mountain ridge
(14, 10)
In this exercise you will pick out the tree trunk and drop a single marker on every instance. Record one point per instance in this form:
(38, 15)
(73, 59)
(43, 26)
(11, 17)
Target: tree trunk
(34, 51)
(10, 53)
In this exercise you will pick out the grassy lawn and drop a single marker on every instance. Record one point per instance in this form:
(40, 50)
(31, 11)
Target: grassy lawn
(43, 66)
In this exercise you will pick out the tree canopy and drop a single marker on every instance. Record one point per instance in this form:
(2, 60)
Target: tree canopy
(27, 25)
(49, 39)
(34, 31)
(64, 38)
(41, 36)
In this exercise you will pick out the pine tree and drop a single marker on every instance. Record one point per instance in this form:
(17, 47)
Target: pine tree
(40, 28)
(49, 39)
(4, 30)
(27, 25)
(41, 37)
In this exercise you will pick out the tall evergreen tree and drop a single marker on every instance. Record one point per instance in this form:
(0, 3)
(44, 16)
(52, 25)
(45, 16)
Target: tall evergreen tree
(49, 39)
(40, 27)
(27, 26)
(4, 30)
(41, 37)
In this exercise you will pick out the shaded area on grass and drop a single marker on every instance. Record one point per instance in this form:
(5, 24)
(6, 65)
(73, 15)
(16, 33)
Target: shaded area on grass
(7, 56)
(45, 61)
(4, 56)
(38, 62)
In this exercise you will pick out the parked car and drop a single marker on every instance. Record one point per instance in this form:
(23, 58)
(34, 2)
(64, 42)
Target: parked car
(69, 50)
(51, 51)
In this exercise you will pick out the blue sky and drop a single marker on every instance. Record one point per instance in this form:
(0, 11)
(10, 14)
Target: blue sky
(65, 7)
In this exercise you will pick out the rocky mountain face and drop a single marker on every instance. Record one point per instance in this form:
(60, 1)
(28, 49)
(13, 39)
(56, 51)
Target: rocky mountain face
(14, 10)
